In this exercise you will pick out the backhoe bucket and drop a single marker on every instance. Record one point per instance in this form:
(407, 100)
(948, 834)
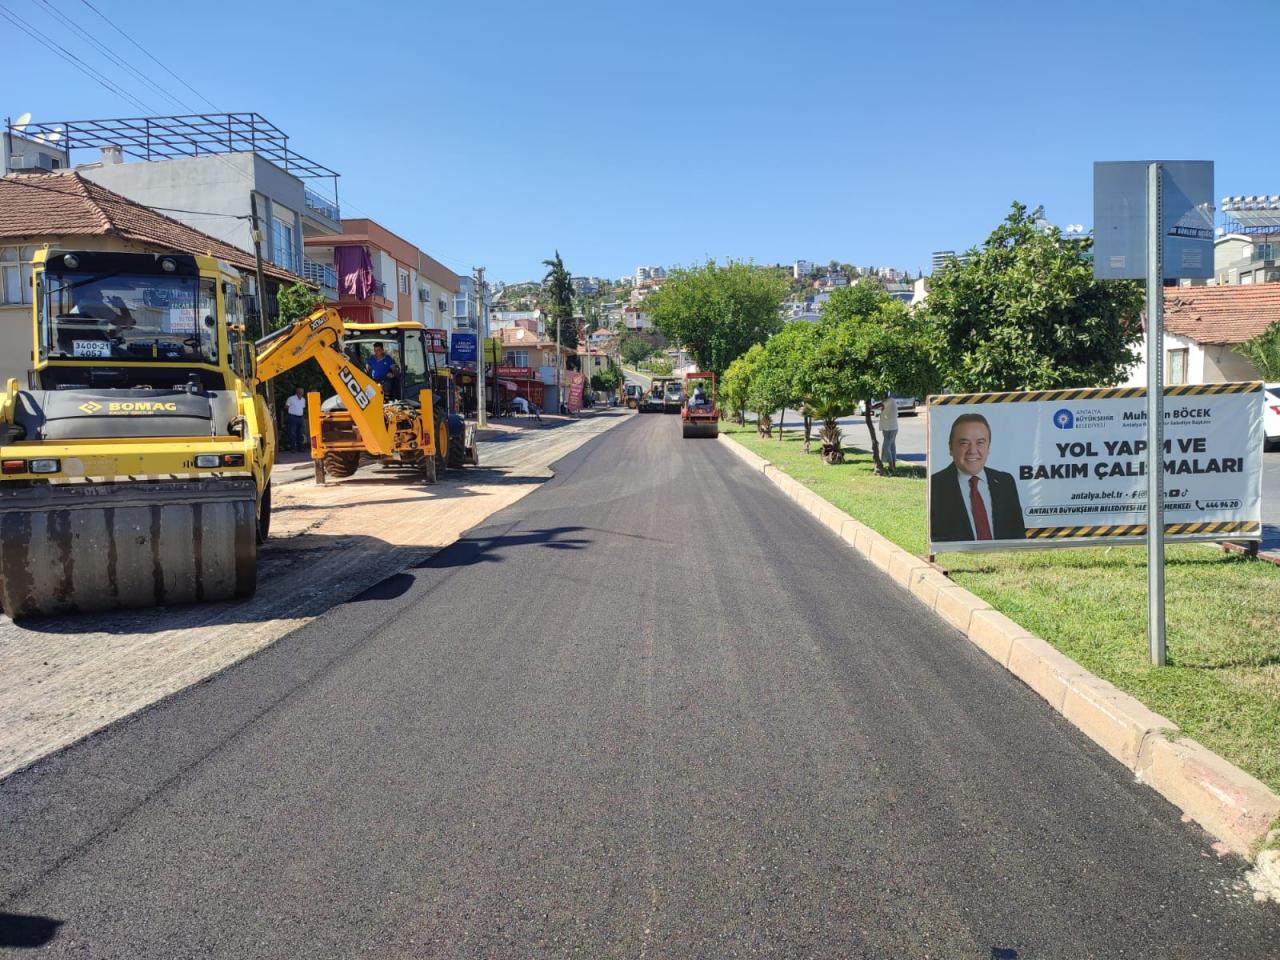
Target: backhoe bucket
(75, 548)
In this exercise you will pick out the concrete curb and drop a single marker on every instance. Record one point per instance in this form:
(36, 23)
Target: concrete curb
(1230, 804)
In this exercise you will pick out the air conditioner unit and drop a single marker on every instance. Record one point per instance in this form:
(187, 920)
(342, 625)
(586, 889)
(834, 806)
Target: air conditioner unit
(424, 295)
(442, 305)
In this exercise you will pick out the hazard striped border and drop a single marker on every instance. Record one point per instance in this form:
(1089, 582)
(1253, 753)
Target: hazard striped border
(1094, 393)
(1239, 528)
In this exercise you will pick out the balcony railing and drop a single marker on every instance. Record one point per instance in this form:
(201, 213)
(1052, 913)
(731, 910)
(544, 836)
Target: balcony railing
(321, 205)
(321, 274)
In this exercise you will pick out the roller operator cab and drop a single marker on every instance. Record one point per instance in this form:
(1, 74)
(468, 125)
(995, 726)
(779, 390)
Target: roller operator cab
(135, 466)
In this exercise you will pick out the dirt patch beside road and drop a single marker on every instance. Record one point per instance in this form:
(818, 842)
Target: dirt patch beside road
(63, 678)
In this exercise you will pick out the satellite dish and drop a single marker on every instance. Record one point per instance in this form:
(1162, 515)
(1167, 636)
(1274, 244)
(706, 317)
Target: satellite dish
(56, 135)
(22, 122)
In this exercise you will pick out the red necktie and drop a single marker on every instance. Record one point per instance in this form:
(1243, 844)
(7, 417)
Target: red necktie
(981, 523)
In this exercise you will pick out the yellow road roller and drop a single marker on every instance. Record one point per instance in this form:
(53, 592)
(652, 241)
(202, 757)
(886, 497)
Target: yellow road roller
(135, 466)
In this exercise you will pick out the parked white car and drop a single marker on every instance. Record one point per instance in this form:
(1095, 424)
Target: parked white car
(1271, 418)
(905, 405)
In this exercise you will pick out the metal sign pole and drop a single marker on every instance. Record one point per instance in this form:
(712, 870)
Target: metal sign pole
(1155, 416)
(482, 322)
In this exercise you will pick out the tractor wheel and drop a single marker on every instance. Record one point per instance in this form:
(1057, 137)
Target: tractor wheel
(341, 463)
(264, 515)
(457, 452)
(442, 439)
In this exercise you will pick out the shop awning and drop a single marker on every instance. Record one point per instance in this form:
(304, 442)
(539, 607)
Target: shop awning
(508, 385)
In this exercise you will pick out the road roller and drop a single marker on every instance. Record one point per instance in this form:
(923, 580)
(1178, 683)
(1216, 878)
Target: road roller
(700, 416)
(135, 465)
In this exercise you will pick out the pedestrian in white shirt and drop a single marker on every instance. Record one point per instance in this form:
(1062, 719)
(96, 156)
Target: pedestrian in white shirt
(296, 411)
(889, 431)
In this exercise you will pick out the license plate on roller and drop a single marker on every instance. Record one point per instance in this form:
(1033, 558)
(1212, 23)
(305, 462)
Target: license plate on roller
(90, 348)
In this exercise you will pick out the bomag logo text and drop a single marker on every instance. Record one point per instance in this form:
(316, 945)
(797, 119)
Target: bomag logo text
(142, 406)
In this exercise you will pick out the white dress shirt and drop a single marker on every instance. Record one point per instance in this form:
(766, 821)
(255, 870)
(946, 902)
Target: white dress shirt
(984, 491)
(296, 405)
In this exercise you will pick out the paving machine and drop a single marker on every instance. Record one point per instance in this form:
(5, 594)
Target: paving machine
(135, 467)
(700, 418)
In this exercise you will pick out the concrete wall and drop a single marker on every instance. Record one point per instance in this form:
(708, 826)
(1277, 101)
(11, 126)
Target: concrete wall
(1206, 363)
(1223, 364)
(216, 188)
(15, 342)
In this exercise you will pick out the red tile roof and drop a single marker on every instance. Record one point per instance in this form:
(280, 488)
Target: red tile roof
(1226, 314)
(46, 207)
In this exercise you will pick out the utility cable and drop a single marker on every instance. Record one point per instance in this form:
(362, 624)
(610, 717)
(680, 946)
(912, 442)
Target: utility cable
(72, 58)
(111, 55)
(149, 54)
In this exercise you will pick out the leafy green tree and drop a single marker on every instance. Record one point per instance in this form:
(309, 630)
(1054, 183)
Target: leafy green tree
(788, 355)
(558, 299)
(1263, 351)
(869, 348)
(769, 390)
(633, 348)
(660, 367)
(295, 302)
(735, 382)
(718, 312)
(1025, 313)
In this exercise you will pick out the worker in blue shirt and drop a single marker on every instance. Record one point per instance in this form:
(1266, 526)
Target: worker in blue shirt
(383, 369)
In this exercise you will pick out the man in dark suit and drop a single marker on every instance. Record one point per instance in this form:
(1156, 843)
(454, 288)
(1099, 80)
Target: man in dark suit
(968, 500)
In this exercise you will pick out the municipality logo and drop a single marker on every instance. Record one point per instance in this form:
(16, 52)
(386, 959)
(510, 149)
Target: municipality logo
(1064, 419)
(90, 407)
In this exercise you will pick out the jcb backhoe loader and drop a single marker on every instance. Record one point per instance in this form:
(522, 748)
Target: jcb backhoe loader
(135, 468)
(399, 421)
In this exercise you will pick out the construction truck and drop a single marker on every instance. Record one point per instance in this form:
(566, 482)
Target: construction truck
(135, 467)
(400, 420)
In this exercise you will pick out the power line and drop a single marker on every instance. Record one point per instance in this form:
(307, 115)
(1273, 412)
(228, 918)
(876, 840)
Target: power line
(149, 54)
(84, 34)
(71, 58)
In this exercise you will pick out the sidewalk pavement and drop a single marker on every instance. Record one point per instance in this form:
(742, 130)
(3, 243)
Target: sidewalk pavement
(63, 678)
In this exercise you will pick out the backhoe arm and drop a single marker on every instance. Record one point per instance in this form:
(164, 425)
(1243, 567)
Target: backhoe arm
(318, 336)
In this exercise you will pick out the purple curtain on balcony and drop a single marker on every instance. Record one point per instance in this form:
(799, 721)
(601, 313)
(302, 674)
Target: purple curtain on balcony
(355, 271)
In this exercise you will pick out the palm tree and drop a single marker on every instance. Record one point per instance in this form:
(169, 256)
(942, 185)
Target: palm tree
(558, 293)
(1263, 351)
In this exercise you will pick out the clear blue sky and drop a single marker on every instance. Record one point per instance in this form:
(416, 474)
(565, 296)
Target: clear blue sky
(493, 133)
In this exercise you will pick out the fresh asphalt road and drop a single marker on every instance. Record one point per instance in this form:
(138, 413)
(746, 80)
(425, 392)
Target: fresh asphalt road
(651, 710)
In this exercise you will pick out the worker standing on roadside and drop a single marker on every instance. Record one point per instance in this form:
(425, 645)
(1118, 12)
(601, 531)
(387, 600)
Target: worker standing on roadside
(295, 413)
(889, 430)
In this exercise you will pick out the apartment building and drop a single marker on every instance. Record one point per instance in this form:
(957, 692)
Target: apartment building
(381, 277)
(207, 172)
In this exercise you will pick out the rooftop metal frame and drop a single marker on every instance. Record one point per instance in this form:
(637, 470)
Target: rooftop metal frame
(187, 135)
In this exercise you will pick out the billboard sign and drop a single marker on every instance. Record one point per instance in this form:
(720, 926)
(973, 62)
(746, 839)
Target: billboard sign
(1052, 468)
(462, 348)
(1120, 219)
(515, 373)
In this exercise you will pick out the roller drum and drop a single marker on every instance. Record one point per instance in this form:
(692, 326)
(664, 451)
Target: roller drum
(78, 548)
